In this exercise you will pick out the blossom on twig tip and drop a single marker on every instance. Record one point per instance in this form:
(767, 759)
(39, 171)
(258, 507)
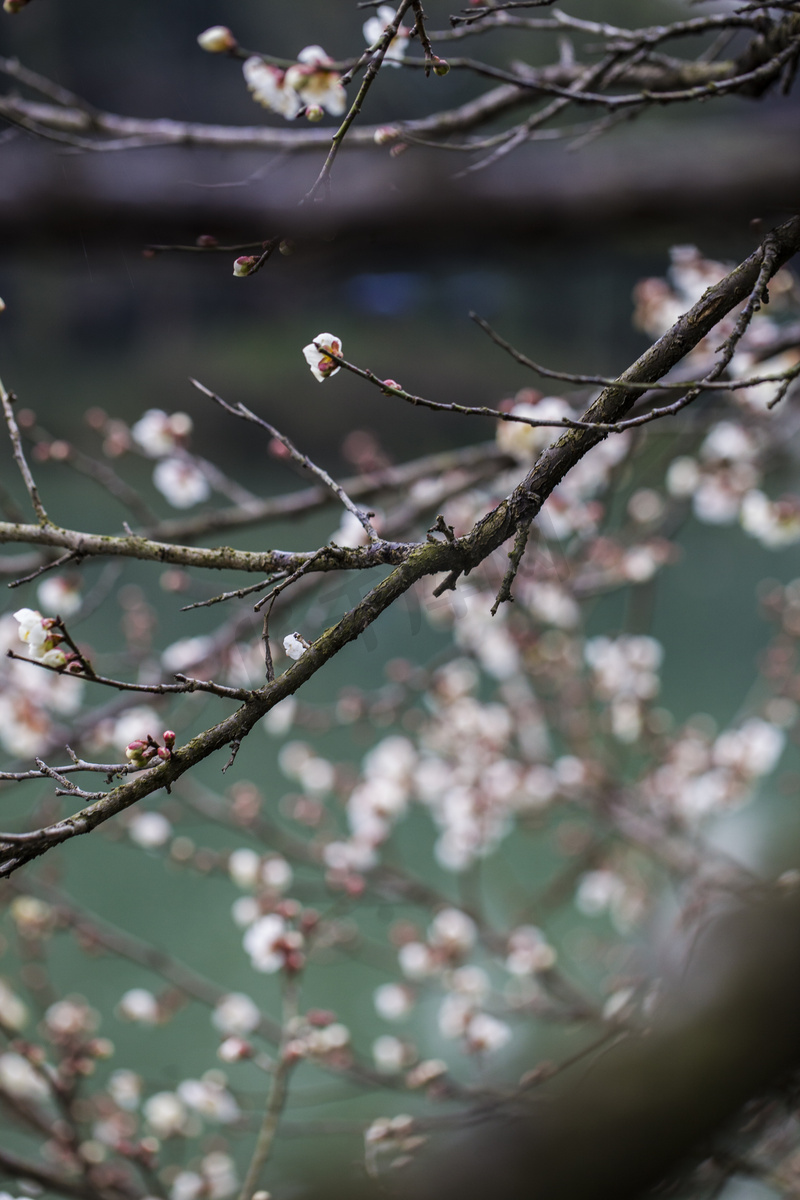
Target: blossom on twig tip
(218, 39)
(374, 28)
(322, 366)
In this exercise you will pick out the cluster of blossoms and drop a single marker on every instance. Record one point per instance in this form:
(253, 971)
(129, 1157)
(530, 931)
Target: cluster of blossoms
(144, 752)
(659, 302)
(42, 636)
(312, 85)
(32, 703)
(177, 476)
(572, 508)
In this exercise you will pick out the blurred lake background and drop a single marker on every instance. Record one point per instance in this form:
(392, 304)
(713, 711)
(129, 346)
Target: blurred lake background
(547, 247)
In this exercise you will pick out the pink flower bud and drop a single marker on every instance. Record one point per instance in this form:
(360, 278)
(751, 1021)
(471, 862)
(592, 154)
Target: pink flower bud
(314, 113)
(392, 383)
(169, 737)
(386, 133)
(320, 1017)
(206, 239)
(441, 66)
(244, 265)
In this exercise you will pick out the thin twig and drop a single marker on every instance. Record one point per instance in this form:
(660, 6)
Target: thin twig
(240, 410)
(7, 399)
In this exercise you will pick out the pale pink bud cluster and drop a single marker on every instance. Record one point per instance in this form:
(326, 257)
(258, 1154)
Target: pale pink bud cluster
(144, 752)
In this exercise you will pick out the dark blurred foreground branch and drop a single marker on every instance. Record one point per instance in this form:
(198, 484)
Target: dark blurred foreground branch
(726, 1034)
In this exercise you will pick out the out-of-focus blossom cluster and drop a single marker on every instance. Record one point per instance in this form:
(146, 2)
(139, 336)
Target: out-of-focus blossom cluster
(312, 84)
(703, 777)
(660, 302)
(176, 475)
(33, 703)
(572, 508)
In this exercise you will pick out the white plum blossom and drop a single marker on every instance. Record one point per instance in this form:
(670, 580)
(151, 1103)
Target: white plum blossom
(181, 482)
(453, 932)
(71, 1018)
(218, 39)
(210, 1099)
(125, 1089)
(20, 1079)
(36, 632)
(280, 719)
(525, 442)
(485, 1034)
(187, 653)
(774, 523)
(374, 27)
(529, 951)
(416, 960)
(159, 434)
(13, 1011)
(294, 646)
(268, 941)
(316, 85)
(393, 1001)
(389, 1053)
(149, 830)
(322, 366)
(276, 874)
(268, 85)
(752, 750)
(187, 1185)
(243, 867)
(60, 594)
(236, 1014)
(138, 1004)
(165, 1113)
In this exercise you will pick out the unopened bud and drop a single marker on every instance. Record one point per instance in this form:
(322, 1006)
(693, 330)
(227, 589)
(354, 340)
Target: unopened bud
(392, 383)
(169, 737)
(217, 40)
(286, 247)
(164, 753)
(441, 66)
(206, 239)
(314, 113)
(386, 133)
(244, 265)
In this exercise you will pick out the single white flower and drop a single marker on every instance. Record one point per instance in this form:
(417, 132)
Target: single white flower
(165, 1113)
(159, 434)
(269, 88)
(265, 943)
(315, 84)
(59, 594)
(374, 27)
(181, 482)
(138, 1004)
(322, 366)
(294, 645)
(236, 1014)
(149, 830)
